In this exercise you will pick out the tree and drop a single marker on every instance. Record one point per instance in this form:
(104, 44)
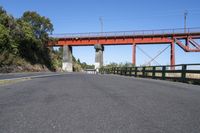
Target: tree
(28, 43)
(36, 29)
(9, 26)
(4, 39)
(26, 39)
(41, 25)
(78, 61)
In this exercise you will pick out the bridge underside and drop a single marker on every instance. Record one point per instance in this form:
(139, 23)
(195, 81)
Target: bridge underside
(187, 41)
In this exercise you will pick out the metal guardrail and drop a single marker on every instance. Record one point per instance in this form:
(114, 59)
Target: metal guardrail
(181, 73)
(128, 33)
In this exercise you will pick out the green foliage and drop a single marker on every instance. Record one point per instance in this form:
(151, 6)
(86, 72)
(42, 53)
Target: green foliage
(113, 64)
(57, 58)
(78, 66)
(78, 61)
(5, 19)
(8, 59)
(8, 30)
(4, 38)
(41, 26)
(84, 65)
(27, 38)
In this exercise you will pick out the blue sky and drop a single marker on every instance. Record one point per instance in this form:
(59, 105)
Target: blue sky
(72, 16)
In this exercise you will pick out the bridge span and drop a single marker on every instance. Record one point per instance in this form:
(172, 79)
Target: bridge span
(187, 39)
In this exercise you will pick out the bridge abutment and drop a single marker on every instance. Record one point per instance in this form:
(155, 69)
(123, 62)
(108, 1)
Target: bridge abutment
(98, 55)
(67, 59)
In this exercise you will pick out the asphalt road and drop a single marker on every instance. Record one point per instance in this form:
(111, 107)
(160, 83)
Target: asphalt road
(81, 103)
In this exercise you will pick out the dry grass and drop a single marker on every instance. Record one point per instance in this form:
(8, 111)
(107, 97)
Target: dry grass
(175, 75)
(193, 75)
(12, 81)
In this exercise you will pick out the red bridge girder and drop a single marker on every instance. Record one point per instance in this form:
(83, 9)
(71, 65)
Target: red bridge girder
(175, 36)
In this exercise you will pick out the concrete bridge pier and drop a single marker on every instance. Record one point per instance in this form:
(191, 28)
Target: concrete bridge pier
(134, 54)
(98, 56)
(67, 59)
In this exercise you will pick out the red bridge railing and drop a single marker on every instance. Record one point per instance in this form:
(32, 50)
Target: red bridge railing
(129, 33)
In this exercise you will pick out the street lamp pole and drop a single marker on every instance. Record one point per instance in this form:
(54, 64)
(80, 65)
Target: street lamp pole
(185, 20)
(101, 23)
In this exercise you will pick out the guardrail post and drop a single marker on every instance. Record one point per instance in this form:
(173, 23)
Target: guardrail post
(125, 71)
(143, 71)
(135, 71)
(121, 71)
(163, 72)
(101, 71)
(130, 71)
(154, 72)
(114, 70)
(117, 70)
(183, 73)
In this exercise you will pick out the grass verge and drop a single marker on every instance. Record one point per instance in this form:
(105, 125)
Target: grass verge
(12, 81)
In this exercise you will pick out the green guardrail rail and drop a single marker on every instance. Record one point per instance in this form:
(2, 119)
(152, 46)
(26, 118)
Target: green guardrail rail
(187, 73)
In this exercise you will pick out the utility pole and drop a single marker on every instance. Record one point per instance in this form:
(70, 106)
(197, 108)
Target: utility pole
(185, 20)
(101, 23)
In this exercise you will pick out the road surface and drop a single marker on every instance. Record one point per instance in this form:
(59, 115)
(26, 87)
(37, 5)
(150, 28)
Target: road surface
(83, 103)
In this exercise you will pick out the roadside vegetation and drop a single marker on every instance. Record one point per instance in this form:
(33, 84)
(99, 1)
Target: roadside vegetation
(23, 43)
(113, 64)
(79, 66)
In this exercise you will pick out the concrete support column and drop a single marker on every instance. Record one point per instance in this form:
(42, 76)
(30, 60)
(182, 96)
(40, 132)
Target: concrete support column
(98, 55)
(134, 54)
(172, 55)
(67, 59)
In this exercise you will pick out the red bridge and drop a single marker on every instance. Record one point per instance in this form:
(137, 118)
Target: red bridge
(187, 39)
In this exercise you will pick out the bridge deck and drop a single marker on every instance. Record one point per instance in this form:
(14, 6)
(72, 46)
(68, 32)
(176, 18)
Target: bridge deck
(137, 33)
(131, 37)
